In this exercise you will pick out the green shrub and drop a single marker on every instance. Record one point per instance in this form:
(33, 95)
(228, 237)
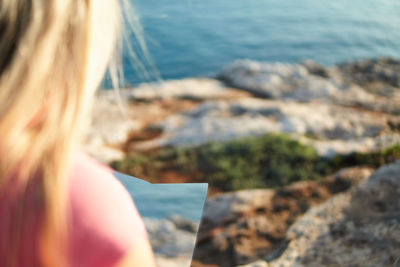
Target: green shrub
(373, 159)
(265, 161)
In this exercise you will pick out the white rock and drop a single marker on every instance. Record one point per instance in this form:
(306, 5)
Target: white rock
(331, 129)
(109, 128)
(191, 88)
(103, 153)
(109, 122)
(290, 81)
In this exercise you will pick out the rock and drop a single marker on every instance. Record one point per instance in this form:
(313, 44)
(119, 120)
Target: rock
(338, 110)
(243, 226)
(331, 129)
(358, 228)
(191, 88)
(109, 128)
(289, 81)
(172, 240)
(310, 82)
(162, 261)
(371, 73)
(229, 207)
(111, 120)
(115, 122)
(169, 241)
(184, 224)
(316, 69)
(104, 153)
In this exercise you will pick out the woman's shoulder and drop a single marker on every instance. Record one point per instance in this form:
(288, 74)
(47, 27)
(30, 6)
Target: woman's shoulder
(88, 172)
(103, 215)
(92, 183)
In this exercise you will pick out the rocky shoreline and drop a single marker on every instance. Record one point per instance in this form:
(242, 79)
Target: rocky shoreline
(246, 225)
(348, 218)
(340, 109)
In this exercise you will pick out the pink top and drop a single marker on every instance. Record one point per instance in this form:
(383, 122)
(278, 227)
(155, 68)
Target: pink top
(104, 223)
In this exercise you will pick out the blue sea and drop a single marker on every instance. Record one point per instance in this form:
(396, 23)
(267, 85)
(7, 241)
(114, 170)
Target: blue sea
(188, 38)
(164, 200)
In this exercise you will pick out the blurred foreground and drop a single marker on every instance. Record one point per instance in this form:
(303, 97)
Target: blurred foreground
(300, 140)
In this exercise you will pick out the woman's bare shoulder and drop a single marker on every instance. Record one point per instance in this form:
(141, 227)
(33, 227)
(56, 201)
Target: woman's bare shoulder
(104, 216)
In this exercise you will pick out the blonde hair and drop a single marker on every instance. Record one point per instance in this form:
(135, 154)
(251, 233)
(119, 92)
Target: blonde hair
(44, 66)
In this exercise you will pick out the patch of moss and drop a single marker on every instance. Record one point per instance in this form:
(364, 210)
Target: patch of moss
(265, 161)
(373, 159)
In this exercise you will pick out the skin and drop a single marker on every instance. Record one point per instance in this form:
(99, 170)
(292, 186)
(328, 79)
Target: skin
(102, 38)
(141, 255)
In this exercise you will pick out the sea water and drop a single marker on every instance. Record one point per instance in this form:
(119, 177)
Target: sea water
(189, 38)
(164, 200)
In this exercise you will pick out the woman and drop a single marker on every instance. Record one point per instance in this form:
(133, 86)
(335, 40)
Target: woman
(59, 207)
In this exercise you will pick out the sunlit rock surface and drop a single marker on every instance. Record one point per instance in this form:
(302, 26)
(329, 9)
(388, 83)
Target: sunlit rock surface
(349, 107)
(331, 129)
(369, 84)
(360, 227)
(243, 226)
(191, 88)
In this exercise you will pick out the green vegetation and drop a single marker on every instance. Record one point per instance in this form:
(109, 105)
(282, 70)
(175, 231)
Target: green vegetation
(373, 159)
(265, 161)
